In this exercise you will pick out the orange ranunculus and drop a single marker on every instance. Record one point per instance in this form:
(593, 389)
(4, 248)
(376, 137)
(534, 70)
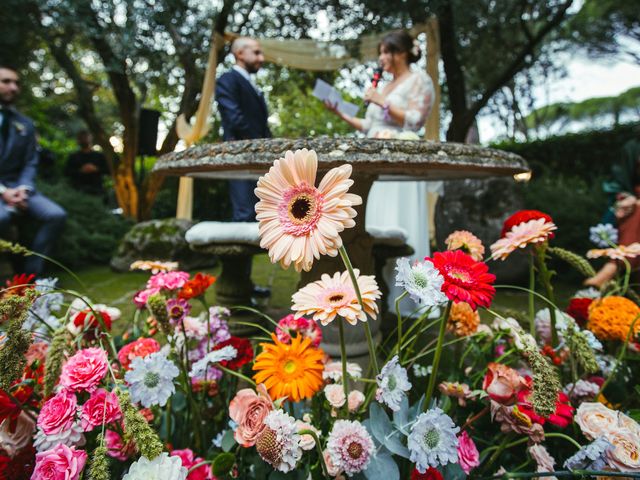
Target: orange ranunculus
(503, 383)
(196, 286)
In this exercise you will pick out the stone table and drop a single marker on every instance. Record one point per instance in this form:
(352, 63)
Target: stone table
(372, 159)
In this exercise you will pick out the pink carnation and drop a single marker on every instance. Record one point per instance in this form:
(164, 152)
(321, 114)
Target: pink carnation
(302, 326)
(59, 463)
(188, 458)
(84, 370)
(58, 413)
(138, 348)
(168, 280)
(468, 455)
(116, 448)
(140, 298)
(103, 406)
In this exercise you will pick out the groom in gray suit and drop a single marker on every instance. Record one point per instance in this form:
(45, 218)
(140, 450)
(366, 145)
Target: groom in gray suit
(18, 165)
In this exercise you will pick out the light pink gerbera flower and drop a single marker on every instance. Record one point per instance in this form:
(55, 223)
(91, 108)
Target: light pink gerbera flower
(527, 233)
(299, 221)
(467, 242)
(331, 296)
(618, 253)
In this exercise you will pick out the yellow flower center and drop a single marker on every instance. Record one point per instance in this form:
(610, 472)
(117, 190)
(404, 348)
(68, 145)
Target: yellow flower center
(290, 366)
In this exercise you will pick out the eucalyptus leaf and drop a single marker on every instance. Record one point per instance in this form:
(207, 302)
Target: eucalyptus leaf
(453, 471)
(385, 432)
(382, 467)
(228, 441)
(401, 417)
(223, 464)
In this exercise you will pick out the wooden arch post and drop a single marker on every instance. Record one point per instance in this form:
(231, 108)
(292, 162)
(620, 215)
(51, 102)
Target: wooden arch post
(432, 127)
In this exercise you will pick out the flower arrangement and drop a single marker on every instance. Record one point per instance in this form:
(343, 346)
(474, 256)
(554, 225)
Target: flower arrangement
(456, 390)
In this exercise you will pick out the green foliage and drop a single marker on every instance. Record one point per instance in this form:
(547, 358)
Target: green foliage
(210, 200)
(92, 232)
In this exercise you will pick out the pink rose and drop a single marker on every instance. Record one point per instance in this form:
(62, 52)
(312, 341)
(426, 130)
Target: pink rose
(116, 448)
(58, 413)
(140, 298)
(335, 395)
(355, 400)
(468, 455)
(84, 370)
(248, 409)
(59, 463)
(102, 406)
(502, 383)
(168, 280)
(203, 472)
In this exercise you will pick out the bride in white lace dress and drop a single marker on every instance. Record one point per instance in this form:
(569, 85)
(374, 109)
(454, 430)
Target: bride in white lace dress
(402, 104)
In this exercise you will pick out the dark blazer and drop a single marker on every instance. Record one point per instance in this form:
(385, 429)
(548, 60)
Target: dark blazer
(19, 157)
(243, 110)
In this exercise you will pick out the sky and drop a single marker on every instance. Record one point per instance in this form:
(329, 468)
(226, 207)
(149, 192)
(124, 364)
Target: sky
(586, 78)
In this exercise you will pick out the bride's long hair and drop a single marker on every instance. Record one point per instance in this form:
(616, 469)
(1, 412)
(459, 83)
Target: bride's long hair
(399, 41)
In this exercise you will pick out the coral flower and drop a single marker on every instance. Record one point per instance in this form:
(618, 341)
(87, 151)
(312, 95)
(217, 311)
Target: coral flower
(618, 253)
(19, 284)
(331, 296)
(579, 309)
(610, 318)
(467, 242)
(196, 287)
(463, 320)
(292, 371)
(523, 216)
(527, 233)
(465, 280)
(299, 221)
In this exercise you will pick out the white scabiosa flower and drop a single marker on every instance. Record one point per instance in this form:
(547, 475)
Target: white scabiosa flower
(590, 457)
(71, 437)
(279, 443)
(422, 281)
(350, 446)
(163, 467)
(225, 353)
(151, 379)
(393, 382)
(432, 441)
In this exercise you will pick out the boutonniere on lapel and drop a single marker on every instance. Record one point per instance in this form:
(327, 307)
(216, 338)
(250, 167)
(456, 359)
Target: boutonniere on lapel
(20, 128)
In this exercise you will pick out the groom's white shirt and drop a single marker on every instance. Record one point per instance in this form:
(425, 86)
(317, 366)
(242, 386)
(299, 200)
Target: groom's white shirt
(246, 75)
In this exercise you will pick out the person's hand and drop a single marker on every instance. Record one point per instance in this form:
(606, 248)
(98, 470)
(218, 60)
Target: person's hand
(22, 198)
(12, 197)
(625, 206)
(373, 96)
(88, 168)
(332, 106)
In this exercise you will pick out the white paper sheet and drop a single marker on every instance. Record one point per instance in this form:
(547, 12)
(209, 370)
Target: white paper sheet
(323, 91)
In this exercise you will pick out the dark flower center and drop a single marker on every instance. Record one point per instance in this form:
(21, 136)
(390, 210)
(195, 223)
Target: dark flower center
(354, 450)
(301, 207)
(336, 298)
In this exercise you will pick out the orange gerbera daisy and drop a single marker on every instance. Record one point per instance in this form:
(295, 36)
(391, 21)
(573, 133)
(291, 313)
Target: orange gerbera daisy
(299, 221)
(292, 371)
(610, 318)
(196, 286)
(331, 296)
(463, 320)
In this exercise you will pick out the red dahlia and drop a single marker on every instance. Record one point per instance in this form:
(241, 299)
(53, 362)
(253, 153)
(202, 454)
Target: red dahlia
(19, 284)
(579, 309)
(465, 280)
(87, 320)
(196, 286)
(522, 216)
(562, 417)
(430, 474)
(245, 352)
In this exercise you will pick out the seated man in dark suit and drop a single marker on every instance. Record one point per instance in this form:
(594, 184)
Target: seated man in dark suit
(18, 164)
(244, 115)
(87, 167)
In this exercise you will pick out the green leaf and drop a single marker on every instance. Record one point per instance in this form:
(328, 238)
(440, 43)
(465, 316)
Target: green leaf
(453, 471)
(223, 464)
(228, 441)
(401, 417)
(384, 431)
(382, 467)
(178, 402)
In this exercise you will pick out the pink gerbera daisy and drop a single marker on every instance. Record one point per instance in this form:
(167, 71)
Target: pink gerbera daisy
(465, 280)
(618, 253)
(331, 296)
(299, 221)
(467, 242)
(527, 233)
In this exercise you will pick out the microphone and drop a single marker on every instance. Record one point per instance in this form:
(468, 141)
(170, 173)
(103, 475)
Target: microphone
(375, 79)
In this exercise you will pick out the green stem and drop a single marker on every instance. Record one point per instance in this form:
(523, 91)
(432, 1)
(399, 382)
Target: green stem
(398, 300)
(436, 358)
(236, 374)
(498, 450)
(532, 288)
(343, 358)
(356, 287)
(545, 279)
(306, 431)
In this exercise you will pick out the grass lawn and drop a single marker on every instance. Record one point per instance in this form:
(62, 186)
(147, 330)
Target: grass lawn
(118, 289)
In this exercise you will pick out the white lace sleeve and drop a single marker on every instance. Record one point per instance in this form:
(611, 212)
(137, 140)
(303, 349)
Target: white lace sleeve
(367, 122)
(420, 100)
